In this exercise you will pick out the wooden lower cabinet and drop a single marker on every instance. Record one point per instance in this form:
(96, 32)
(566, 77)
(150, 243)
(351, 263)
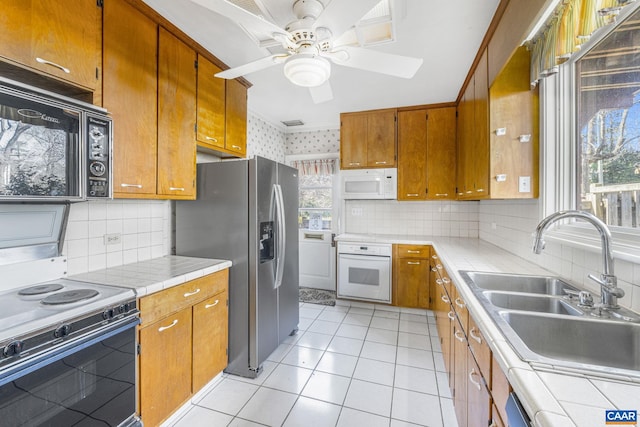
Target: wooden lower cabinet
(165, 370)
(211, 335)
(411, 276)
(478, 396)
(183, 343)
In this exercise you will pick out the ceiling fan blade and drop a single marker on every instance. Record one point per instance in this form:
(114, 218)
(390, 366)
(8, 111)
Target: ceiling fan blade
(379, 62)
(251, 67)
(339, 16)
(241, 16)
(322, 93)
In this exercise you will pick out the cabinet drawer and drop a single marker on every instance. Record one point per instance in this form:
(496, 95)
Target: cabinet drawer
(161, 304)
(412, 251)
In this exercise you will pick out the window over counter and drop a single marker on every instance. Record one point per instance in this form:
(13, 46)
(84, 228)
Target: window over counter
(608, 126)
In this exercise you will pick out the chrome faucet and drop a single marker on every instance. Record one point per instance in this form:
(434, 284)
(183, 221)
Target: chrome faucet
(609, 291)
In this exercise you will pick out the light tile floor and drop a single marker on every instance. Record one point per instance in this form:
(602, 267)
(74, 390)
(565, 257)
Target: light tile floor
(349, 365)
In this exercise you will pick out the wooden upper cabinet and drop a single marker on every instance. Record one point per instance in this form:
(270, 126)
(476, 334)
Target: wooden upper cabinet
(427, 154)
(473, 146)
(130, 87)
(368, 139)
(56, 38)
(412, 155)
(381, 139)
(514, 149)
(441, 153)
(211, 105)
(480, 135)
(353, 144)
(236, 118)
(176, 117)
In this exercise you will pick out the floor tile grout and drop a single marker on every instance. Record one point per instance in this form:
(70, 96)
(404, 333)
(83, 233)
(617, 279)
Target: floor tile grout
(378, 334)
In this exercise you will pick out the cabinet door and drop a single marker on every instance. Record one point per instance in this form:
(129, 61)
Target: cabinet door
(210, 104)
(412, 155)
(381, 139)
(478, 397)
(481, 129)
(500, 389)
(130, 93)
(465, 152)
(412, 282)
(210, 339)
(165, 366)
(59, 38)
(480, 349)
(460, 373)
(236, 118)
(441, 154)
(353, 141)
(176, 117)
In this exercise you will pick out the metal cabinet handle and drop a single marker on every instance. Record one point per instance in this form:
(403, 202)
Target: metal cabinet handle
(381, 163)
(439, 266)
(164, 328)
(188, 294)
(236, 147)
(212, 305)
(475, 383)
(459, 337)
(460, 303)
(53, 64)
(434, 269)
(131, 185)
(176, 188)
(434, 256)
(210, 138)
(478, 338)
(480, 190)
(445, 298)
(468, 192)
(439, 282)
(451, 315)
(442, 194)
(412, 194)
(409, 251)
(354, 164)
(446, 280)
(413, 262)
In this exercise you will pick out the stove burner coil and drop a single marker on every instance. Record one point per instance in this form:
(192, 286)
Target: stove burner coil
(69, 296)
(40, 289)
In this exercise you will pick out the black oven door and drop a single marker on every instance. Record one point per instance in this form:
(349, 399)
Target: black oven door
(88, 382)
(40, 148)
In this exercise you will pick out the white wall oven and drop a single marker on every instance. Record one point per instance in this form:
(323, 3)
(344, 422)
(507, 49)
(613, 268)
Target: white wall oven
(364, 271)
(52, 148)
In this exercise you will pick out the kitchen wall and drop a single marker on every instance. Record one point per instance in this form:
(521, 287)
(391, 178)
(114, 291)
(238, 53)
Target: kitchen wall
(510, 224)
(313, 142)
(264, 139)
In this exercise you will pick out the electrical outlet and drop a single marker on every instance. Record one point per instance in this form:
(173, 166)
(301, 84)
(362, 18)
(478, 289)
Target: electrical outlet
(112, 239)
(524, 184)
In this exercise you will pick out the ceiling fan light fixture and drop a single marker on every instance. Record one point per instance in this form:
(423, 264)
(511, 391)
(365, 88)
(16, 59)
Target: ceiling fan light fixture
(307, 70)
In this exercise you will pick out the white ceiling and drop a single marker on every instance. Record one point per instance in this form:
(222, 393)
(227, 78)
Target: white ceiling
(445, 33)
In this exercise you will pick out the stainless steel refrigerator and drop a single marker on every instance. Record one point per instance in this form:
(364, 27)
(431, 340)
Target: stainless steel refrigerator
(247, 211)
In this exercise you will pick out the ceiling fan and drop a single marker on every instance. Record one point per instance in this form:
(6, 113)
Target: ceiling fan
(309, 43)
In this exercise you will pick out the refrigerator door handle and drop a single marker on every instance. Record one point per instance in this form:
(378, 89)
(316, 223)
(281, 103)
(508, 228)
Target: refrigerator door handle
(280, 218)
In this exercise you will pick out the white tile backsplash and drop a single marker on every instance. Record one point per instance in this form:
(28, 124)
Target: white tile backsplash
(144, 227)
(457, 219)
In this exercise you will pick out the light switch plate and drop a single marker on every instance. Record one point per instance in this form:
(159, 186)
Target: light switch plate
(524, 184)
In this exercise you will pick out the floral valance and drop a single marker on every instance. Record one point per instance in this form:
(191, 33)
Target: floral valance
(315, 167)
(570, 26)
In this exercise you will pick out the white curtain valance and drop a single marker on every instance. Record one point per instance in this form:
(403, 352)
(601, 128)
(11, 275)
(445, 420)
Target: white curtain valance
(315, 167)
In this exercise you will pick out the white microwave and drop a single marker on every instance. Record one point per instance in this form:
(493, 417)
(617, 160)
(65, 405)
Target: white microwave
(369, 184)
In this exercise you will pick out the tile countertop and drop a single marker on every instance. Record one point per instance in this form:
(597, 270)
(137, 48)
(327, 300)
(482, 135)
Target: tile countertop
(553, 398)
(156, 274)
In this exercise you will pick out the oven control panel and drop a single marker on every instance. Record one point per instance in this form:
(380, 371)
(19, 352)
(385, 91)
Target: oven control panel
(374, 249)
(98, 148)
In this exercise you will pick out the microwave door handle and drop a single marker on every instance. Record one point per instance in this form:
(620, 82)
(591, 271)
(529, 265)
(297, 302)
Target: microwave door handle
(281, 236)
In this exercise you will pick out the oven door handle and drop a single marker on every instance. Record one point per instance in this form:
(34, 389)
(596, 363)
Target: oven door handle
(364, 257)
(52, 355)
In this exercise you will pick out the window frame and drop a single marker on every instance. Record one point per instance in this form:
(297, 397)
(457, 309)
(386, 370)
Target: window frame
(559, 152)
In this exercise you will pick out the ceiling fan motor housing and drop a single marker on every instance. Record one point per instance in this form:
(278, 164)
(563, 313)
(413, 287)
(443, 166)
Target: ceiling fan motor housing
(307, 9)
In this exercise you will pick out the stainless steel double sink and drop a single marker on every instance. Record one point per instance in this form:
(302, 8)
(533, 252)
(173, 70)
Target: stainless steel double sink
(547, 326)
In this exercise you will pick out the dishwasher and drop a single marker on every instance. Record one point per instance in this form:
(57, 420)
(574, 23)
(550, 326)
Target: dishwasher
(364, 271)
